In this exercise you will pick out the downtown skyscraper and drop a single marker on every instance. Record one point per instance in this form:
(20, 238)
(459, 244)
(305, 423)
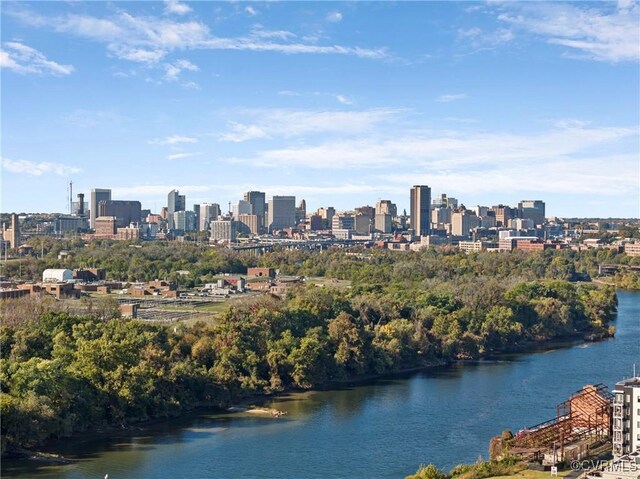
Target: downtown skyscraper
(420, 205)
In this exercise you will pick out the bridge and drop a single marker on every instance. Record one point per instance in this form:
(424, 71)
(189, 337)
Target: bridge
(269, 245)
(611, 269)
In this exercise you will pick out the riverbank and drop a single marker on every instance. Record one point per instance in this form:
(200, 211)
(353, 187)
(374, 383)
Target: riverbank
(254, 405)
(384, 428)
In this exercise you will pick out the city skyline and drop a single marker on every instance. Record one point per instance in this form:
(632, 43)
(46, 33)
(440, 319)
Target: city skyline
(341, 104)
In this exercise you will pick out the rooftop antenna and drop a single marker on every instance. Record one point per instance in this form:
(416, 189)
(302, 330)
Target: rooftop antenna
(634, 370)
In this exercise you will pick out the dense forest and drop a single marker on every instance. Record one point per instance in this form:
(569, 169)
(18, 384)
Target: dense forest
(61, 373)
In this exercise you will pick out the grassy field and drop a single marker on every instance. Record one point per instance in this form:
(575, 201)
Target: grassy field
(529, 474)
(329, 282)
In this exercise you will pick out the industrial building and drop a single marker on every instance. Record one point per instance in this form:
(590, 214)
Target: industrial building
(57, 275)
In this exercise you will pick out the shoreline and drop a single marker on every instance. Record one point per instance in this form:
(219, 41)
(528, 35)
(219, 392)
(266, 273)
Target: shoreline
(254, 404)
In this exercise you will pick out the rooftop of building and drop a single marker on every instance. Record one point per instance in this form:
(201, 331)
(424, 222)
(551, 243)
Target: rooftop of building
(633, 382)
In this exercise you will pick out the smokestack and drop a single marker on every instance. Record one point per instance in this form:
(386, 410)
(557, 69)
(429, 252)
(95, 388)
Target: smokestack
(80, 204)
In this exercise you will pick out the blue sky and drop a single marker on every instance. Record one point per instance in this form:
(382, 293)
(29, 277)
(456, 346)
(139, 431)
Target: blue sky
(338, 103)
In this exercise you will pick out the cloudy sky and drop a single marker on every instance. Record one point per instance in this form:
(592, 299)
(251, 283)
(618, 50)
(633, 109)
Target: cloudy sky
(338, 103)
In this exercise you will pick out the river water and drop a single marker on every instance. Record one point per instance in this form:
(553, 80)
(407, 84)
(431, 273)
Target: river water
(383, 429)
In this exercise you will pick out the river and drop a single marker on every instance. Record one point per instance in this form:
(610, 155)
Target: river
(382, 429)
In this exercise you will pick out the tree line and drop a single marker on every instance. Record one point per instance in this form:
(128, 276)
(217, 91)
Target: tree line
(61, 373)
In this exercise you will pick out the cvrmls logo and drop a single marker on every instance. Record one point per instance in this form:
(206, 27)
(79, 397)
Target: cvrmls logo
(619, 466)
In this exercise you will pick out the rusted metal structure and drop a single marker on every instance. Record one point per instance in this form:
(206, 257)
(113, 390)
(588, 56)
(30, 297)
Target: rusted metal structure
(585, 415)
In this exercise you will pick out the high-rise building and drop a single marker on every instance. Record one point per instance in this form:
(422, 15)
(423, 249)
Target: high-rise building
(208, 213)
(126, 212)
(196, 210)
(247, 224)
(97, 195)
(327, 216)
(224, 229)
(626, 417)
(282, 213)
(258, 206)
(184, 221)
(343, 221)
(105, 226)
(503, 215)
(446, 201)
(533, 210)
(175, 202)
(80, 205)
(463, 221)
(242, 207)
(301, 212)
(383, 223)
(362, 223)
(420, 199)
(386, 207)
(315, 222)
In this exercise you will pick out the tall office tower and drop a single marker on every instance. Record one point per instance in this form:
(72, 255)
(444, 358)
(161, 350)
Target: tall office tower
(175, 202)
(80, 205)
(196, 210)
(463, 221)
(383, 223)
(446, 201)
(97, 195)
(184, 221)
(242, 207)
(301, 212)
(315, 222)
(126, 212)
(208, 213)
(421, 210)
(503, 215)
(626, 417)
(327, 216)
(282, 213)
(247, 224)
(386, 207)
(258, 206)
(533, 210)
(368, 211)
(343, 221)
(362, 223)
(223, 229)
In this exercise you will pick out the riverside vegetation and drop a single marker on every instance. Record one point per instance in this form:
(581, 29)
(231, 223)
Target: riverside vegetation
(62, 373)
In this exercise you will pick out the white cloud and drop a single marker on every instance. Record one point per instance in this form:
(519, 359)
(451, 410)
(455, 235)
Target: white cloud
(486, 39)
(451, 97)
(37, 169)
(289, 123)
(173, 70)
(240, 132)
(173, 140)
(600, 32)
(250, 10)
(180, 156)
(21, 58)
(461, 153)
(334, 17)
(138, 38)
(158, 191)
(173, 6)
(90, 118)
(344, 100)
(288, 93)
(259, 32)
